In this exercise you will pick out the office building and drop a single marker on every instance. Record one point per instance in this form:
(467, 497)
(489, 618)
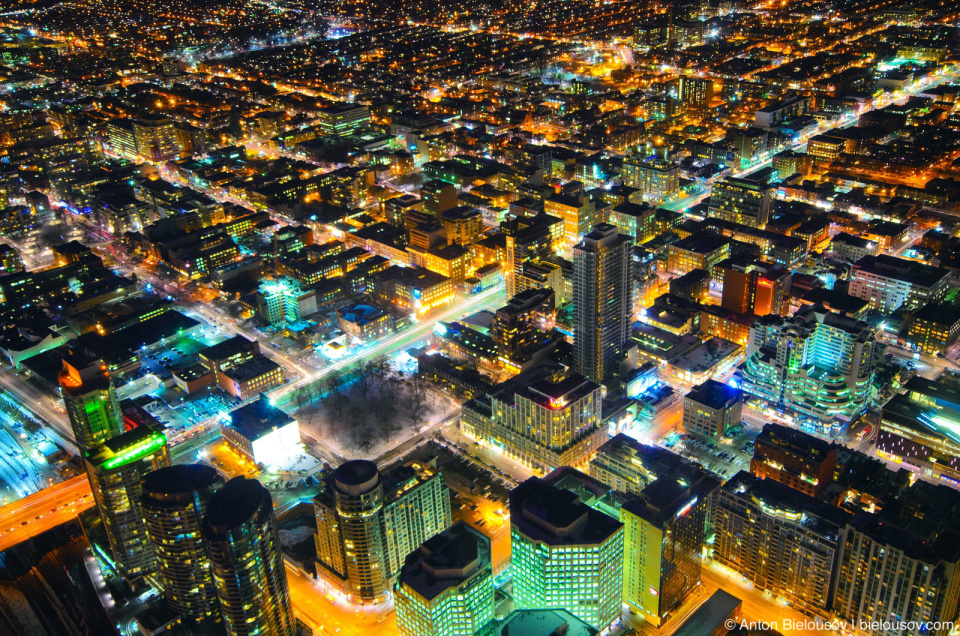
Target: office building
(446, 585)
(919, 428)
(711, 408)
(851, 249)
(463, 224)
(695, 91)
(156, 138)
(342, 119)
(438, 197)
(825, 148)
(703, 250)
(242, 542)
(658, 180)
(793, 458)
(743, 200)
(818, 364)
(363, 322)
(663, 536)
(565, 554)
(284, 301)
(525, 322)
(173, 503)
(544, 418)
(753, 287)
(578, 214)
(251, 378)
(261, 433)
(636, 220)
(116, 469)
(90, 402)
(527, 241)
(784, 542)
(780, 111)
(122, 139)
(790, 162)
(902, 565)
(749, 144)
(603, 302)
(890, 283)
(368, 522)
(933, 329)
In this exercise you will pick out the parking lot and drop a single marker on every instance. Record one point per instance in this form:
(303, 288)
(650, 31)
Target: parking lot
(724, 457)
(180, 354)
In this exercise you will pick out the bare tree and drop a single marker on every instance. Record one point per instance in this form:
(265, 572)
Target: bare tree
(416, 399)
(335, 395)
(363, 372)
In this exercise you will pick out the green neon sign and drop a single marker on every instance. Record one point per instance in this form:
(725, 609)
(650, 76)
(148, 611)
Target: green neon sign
(136, 451)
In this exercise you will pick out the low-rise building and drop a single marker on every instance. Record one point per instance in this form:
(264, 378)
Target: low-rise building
(711, 408)
(362, 322)
(261, 433)
(793, 458)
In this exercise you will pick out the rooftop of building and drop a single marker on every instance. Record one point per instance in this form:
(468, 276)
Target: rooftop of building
(172, 482)
(715, 395)
(794, 441)
(901, 269)
(360, 313)
(552, 622)
(547, 386)
(446, 560)
(126, 448)
(709, 617)
(835, 300)
(235, 503)
(705, 355)
(701, 243)
(940, 314)
(779, 498)
(460, 213)
(652, 460)
(258, 418)
(634, 209)
(417, 277)
(255, 367)
(923, 524)
(556, 517)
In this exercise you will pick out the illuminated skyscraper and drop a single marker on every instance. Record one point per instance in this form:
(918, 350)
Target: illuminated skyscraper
(240, 535)
(446, 586)
(663, 502)
(368, 522)
(663, 535)
(116, 469)
(565, 554)
(90, 402)
(173, 503)
(603, 300)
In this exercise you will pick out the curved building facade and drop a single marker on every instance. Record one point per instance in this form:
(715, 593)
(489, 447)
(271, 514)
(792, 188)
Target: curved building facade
(358, 492)
(173, 503)
(240, 535)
